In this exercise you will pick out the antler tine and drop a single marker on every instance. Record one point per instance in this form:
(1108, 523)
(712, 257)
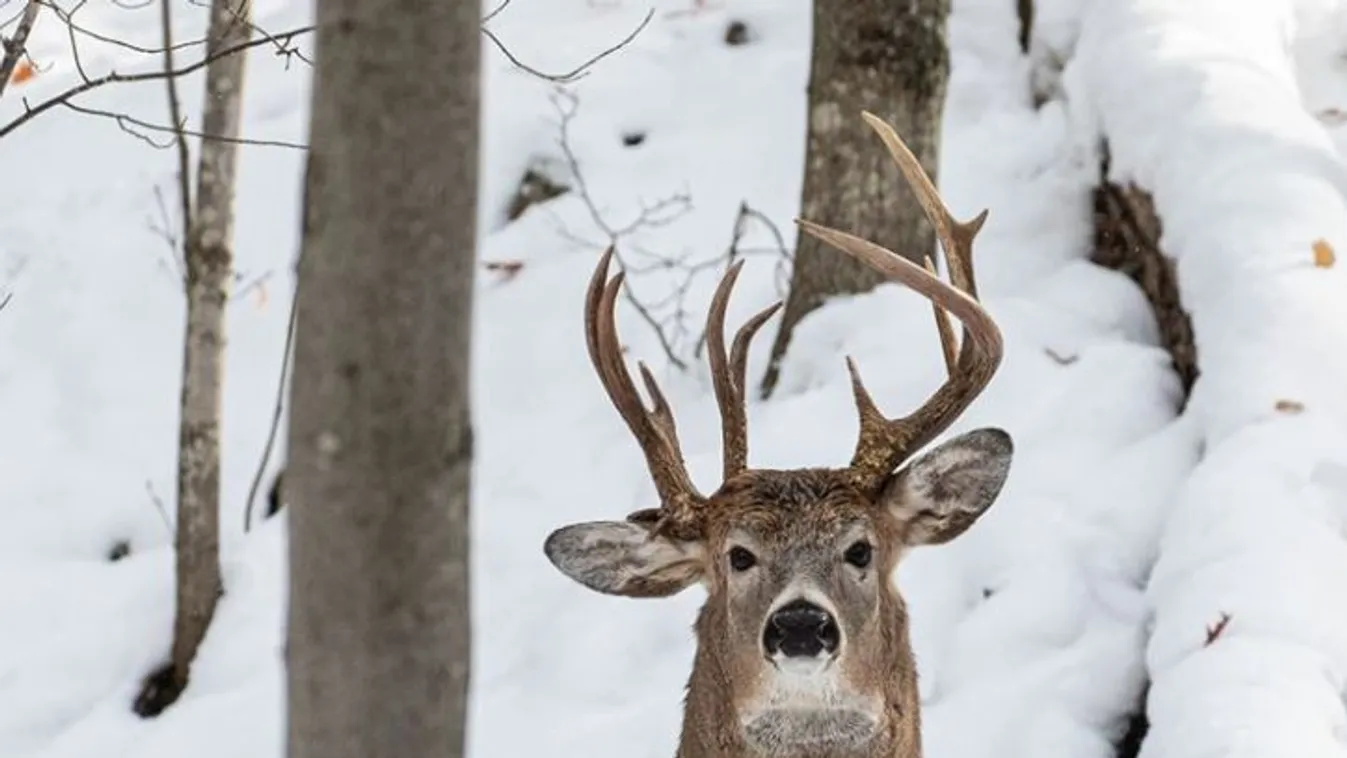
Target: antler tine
(654, 430)
(728, 372)
(956, 238)
(883, 443)
(948, 344)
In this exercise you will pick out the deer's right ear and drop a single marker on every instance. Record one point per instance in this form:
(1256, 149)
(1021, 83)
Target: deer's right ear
(623, 558)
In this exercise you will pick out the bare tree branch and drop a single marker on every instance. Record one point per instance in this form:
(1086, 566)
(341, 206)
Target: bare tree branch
(277, 411)
(175, 113)
(32, 111)
(579, 71)
(17, 44)
(673, 329)
(179, 133)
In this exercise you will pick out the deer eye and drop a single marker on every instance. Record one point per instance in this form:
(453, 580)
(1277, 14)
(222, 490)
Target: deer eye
(741, 559)
(859, 554)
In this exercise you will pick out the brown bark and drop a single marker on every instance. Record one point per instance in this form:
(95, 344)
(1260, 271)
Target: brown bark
(209, 260)
(17, 43)
(891, 59)
(380, 439)
(1127, 236)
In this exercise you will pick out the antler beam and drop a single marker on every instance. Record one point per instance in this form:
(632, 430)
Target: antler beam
(884, 443)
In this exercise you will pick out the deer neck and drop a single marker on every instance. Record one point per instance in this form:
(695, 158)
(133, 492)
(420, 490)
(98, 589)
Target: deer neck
(711, 725)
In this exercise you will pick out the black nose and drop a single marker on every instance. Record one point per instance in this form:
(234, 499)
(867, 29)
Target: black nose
(800, 629)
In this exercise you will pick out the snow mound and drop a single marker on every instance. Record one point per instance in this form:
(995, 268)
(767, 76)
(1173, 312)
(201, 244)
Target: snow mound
(1249, 649)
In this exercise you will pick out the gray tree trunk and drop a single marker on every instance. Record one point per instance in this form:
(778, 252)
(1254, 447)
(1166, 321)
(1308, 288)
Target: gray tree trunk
(380, 439)
(888, 57)
(209, 261)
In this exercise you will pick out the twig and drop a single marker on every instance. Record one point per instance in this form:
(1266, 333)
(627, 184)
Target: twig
(574, 74)
(175, 113)
(178, 133)
(171, 239)
(159, 505)
(4, 302)
(276, 412)
(735, 252)
(673, 329)
(68, 18)
(16, 45)
(566, 105)
(495, 12)
(33, 111)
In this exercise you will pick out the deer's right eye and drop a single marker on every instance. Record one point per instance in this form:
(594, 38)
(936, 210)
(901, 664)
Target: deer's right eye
(741, 559)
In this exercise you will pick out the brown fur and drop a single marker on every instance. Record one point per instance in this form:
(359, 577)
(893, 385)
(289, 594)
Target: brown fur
(793, 507)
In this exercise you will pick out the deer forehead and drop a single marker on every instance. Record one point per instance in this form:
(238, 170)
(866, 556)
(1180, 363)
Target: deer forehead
(799, 507)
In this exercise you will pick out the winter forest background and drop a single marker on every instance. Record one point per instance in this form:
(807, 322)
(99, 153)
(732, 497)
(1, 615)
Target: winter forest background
(1162, 575)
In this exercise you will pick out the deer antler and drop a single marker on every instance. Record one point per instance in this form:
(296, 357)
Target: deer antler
(884, 443)
(654, 429)
(727, 375)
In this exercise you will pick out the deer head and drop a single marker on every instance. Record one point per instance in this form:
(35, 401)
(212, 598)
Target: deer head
(802, 645)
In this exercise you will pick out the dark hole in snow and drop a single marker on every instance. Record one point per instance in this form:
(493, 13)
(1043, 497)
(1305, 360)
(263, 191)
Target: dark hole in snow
(159, 690)
(987, 592)
(120, 549)
(633, 139)
(736, 33)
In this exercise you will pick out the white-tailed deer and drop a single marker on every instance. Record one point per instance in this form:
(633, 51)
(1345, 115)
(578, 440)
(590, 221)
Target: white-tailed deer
(802, 645)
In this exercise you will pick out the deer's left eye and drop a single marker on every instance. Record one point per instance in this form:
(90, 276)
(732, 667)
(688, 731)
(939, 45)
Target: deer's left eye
(859, 554)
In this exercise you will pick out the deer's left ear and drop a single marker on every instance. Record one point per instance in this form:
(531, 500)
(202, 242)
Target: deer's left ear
(936, 497)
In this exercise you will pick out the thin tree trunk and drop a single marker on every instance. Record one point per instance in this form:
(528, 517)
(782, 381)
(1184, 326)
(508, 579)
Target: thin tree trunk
(380, 437)
(209, 261)
(888, 57)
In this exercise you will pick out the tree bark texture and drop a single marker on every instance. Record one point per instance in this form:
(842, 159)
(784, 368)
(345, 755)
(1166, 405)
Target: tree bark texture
(209, 261)
(888, 57)
(380, 437)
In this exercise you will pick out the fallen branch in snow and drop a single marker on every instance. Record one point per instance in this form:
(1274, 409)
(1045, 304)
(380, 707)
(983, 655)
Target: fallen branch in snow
(672, 328)
(1127, 239)
(16, 45)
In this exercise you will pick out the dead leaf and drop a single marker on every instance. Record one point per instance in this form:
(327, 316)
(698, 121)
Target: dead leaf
(23, 72)
(1289, 406)
(1323, 254)
(506, 269)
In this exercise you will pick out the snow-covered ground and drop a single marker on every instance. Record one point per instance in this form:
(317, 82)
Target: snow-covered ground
(1109, 554)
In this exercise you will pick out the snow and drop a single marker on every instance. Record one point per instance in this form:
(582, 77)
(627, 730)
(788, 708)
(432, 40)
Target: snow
(1122, 534)
(1247, 180)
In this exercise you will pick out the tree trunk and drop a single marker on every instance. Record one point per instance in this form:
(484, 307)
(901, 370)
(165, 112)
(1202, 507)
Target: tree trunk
(888, 57)
(209, 261)
(380, 439)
